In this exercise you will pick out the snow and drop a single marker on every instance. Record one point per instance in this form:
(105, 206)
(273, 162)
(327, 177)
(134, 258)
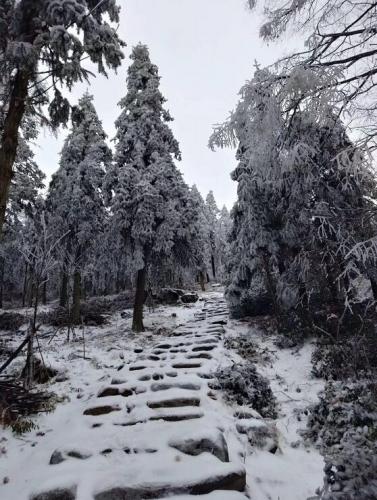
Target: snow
(290, 474)
(293, 473)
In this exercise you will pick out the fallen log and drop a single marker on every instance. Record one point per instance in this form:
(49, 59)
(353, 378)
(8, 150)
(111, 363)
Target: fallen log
(14, 354)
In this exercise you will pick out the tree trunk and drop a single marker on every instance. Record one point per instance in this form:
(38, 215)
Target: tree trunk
(63, 299)
(270, 284)
(2, 270)
(373, 284)
(213, 267)
(137, 322)
(24, 289)
(76, 298)
(9, 137)
(44, 293)
(29, 366)
(202, 281)
(31, 288)
(331, 281)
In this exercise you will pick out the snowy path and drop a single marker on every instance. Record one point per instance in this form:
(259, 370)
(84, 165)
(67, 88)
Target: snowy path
(154, 430)
(142, 421)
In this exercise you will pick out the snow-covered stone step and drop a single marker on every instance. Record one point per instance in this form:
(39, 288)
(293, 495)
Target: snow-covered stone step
(142, 479)
(215, 495)
(194, 476)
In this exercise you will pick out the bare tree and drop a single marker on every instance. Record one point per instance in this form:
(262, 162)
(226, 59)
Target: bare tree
(38, 249)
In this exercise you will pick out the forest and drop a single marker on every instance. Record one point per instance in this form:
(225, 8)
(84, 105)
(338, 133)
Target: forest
(140, 318)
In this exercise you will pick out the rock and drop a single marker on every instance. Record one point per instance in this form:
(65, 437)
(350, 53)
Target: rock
(61, 377)
(177, 418)
(169, 295)
(194, 447)
(80, 455)
(56, 458)
(180, 366)
(57, 494)
(219, 322)
(60, 456)
(109, 391)
(260, 434)
(126, 314)
(174, 403)
(190, 298)
(101, 410)
(156, 387)
(230, 481)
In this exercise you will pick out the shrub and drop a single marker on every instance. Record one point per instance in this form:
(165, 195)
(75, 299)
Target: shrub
(345, 358)
(247, 348)
(12, 321)
(344, 425)
(243, 385)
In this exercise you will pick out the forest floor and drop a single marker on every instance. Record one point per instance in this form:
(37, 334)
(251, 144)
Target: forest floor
(140, 417)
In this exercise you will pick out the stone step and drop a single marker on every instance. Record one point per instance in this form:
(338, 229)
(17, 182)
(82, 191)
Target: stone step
(215, 495)
(229, 479)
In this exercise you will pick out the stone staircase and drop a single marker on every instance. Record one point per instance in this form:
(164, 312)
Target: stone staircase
(157, 429)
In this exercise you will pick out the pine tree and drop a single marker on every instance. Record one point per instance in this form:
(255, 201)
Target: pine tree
(28, 178)
(75, 201)
(23, 199)
(212, 212)
(43, 44)
(224, 227)
(301, 233)
(203, 248)
(149, 195)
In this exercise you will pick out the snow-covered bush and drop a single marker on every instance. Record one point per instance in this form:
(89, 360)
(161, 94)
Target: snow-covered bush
(344, 425)
(246, 347)
(344, 358)
(12, 321)
(248, 300)
(243, 385)
(351, 471)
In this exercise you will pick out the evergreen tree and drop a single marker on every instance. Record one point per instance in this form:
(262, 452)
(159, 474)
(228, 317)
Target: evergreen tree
(212, 212)
(148, 194)
(295, 246)
(224, 227)
(203, 249)
(28, 178)
(75, 202)
(43, 44)
(23, 199)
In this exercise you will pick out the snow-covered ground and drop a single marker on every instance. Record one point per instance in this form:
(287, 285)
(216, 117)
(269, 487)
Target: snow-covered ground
(296, 470)
(139, 417)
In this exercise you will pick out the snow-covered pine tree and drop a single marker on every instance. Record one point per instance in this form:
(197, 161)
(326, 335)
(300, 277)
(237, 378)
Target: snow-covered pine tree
(212, 213)
(224, 227)
(148, 193)
(75, 202)
(299, 180)
(28, 178)
(43, 45)
(256, 125)
(23, 198)
(203, 258)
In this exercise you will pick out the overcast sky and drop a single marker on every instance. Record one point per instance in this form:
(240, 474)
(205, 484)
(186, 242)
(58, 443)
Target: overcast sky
(205, 50)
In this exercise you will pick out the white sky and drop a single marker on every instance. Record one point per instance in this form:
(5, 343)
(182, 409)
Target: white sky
(205, 51)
